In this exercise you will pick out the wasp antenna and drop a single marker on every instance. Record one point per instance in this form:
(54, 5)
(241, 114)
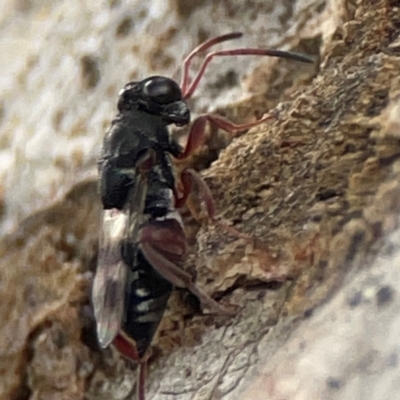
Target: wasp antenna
(287, 54)
(202, 47)
(243, 52)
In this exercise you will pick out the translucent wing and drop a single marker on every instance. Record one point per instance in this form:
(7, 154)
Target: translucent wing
(110, 279)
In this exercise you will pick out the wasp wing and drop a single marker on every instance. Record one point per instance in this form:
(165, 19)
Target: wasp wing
(110, 279)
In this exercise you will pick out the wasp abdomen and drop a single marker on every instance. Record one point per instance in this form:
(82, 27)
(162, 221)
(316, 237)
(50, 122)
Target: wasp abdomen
(147, 294)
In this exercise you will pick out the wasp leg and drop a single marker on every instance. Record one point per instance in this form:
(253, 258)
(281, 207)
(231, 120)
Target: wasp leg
(197, 132)
(189, 178)
(141, 381)
(163, 243)
(128, 349)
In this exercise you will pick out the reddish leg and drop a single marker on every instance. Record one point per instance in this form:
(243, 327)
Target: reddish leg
(197, 131)
(141, 380)
(190, 178)
(163, 243)
(128, 349)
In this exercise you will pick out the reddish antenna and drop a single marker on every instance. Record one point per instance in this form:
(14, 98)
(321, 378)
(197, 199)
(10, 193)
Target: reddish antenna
(202, 47)
(189, 88)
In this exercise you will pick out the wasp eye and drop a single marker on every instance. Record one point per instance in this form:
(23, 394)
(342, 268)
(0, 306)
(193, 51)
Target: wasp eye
(162, 90)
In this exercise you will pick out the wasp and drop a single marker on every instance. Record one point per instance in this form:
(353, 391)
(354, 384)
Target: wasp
(142, 241)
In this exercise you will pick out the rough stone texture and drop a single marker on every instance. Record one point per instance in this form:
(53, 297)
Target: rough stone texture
(314, 195)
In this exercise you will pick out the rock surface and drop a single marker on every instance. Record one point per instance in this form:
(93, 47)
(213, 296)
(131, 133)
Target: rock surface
(317, 191)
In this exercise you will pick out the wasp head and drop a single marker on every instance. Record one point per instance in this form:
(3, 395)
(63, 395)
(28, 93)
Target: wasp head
(156, 95)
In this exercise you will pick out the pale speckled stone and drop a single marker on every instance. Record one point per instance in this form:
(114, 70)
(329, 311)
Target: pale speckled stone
(327, 165)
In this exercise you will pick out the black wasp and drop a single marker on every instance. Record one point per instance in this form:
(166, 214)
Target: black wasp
(142, 242)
